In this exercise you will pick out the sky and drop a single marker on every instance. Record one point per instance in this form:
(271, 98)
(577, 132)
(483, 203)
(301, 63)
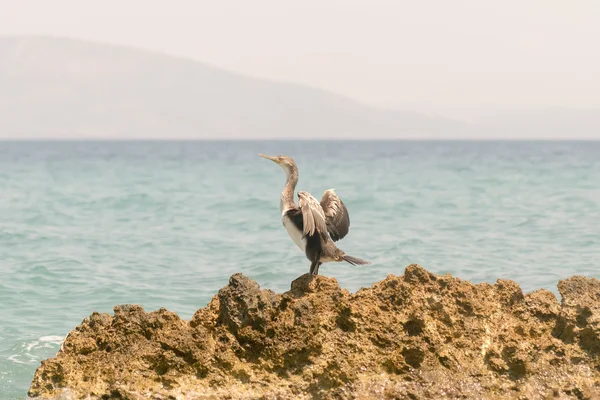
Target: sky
(459, 58)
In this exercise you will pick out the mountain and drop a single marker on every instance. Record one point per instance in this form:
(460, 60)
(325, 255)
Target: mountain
(63, 88)
(55, 87)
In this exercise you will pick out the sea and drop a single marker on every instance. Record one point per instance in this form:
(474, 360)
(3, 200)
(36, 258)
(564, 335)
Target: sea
(87, 225)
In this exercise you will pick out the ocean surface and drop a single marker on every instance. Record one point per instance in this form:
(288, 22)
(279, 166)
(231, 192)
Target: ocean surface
(85, 226)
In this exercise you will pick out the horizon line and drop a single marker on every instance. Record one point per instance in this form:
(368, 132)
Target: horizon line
(6, 140)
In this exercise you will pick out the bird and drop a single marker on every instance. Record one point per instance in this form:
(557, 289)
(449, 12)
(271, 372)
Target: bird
(313, 226)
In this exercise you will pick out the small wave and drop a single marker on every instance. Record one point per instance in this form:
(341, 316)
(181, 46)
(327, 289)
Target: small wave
(14, 359)
(26, 358)
(40, 345)
(32, 352)
(54, 339)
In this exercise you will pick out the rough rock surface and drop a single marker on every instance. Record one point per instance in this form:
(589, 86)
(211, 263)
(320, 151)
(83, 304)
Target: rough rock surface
(416, 336)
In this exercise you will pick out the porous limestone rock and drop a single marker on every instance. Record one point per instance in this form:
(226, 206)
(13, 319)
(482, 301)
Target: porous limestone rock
(416, 336)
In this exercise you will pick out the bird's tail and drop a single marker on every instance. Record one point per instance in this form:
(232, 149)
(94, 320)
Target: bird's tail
(355, 260)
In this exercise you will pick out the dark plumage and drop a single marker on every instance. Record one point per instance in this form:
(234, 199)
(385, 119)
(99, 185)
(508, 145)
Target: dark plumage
(338, 219)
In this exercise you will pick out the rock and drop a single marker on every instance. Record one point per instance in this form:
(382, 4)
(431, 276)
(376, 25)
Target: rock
(416, 336)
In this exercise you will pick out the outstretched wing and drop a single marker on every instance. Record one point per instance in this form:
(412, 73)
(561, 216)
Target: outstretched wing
(336, 215)
(312, 215)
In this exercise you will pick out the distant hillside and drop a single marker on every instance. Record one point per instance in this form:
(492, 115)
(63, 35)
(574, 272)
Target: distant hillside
(53, 87)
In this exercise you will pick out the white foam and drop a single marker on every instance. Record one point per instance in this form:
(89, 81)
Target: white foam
(45, 342)
(31, 345)
(13, 358)
(54, 339)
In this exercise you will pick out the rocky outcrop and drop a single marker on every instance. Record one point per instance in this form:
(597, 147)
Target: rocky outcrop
(416, 336)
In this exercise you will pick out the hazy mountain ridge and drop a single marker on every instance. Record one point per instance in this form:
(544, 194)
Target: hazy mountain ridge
(54, 87)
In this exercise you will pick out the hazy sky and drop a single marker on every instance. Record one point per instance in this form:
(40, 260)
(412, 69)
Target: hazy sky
(459, 58)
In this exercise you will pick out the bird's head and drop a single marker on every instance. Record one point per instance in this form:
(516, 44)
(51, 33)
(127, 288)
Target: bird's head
(285, 162)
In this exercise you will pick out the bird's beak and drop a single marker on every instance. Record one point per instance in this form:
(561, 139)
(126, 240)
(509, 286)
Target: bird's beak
(269, 158)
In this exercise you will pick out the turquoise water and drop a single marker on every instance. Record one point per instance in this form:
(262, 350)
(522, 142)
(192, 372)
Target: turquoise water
(88, 225)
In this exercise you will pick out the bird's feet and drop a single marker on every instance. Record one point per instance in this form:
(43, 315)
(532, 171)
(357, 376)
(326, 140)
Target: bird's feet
(314, 268)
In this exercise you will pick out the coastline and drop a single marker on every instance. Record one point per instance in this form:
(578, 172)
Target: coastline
(418, 335)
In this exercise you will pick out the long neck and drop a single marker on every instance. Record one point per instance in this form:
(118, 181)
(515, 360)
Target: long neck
(287, 195)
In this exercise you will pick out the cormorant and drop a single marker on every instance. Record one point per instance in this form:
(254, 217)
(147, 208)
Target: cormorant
(314, 226)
